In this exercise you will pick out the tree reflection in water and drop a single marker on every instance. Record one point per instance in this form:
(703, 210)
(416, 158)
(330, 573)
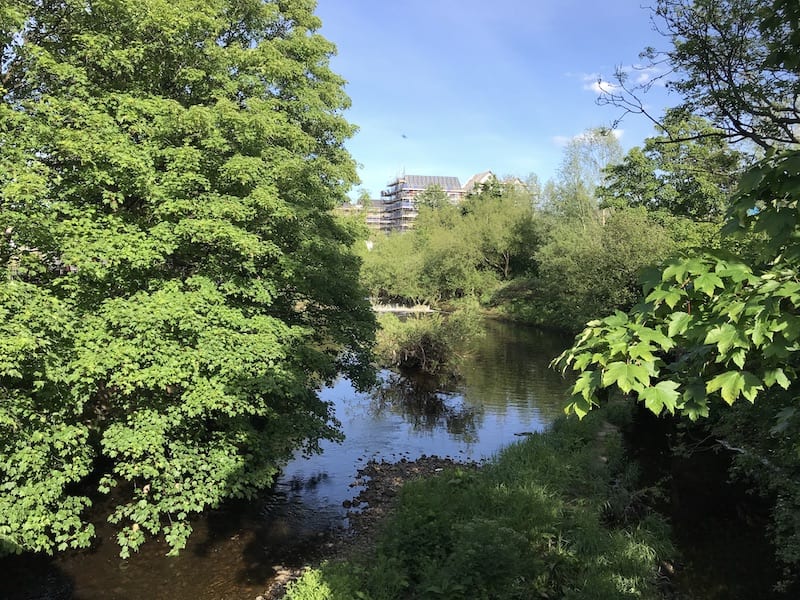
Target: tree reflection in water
(421, 401)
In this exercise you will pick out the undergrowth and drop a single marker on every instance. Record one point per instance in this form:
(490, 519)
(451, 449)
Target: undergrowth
(546, 519)
(429, 343)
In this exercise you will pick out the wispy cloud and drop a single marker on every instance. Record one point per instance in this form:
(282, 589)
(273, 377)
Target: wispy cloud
(637, 74)
(562, 140)
(644, 74)
(595, 83)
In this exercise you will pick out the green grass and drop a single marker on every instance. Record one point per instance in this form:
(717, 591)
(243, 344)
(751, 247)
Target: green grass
(546, 519)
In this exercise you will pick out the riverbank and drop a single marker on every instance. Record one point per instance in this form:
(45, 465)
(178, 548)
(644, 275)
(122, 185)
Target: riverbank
(557, 514)
(366, 514)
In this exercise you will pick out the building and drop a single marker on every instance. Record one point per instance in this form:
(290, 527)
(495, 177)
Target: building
(399, 207)
(378, 217)
(478, 180)
(396, 210)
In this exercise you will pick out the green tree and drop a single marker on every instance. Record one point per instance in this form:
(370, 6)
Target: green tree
(174, 283)
(587, 271)
(582, 170)
(392, 268)
(687, 171)
(733, 62)
(499, 223)
(433, 197)
(718, 334)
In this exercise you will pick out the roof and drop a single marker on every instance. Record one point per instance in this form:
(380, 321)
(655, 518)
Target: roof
(478, 179)
(422, 182)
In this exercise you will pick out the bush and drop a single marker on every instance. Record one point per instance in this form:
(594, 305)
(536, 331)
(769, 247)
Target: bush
(430, 343)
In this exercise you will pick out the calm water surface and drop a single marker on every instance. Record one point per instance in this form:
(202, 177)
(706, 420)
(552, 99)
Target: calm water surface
(506, 389)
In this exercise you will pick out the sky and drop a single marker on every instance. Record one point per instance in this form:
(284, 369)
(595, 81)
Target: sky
(457, 87)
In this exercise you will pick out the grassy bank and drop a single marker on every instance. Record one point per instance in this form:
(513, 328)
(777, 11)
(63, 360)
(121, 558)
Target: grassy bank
(554, 516)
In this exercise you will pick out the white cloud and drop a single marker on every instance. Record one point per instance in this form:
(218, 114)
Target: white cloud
(598, 85)
(562, 140)
(645, 74)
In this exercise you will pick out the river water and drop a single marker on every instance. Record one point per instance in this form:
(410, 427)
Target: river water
(506, 389)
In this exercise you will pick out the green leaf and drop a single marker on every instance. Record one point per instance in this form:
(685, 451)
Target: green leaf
(618, 319)
(678, 323)
(776, 375)
(626, 376)
(653, 335)
(725, 336)
(664, 395)
(695, 401)
(707, 283)
(732, 384)
(587, 384)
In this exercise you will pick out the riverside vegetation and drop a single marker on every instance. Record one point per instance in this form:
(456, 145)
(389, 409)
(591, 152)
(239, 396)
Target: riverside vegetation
(689, 243)
(176, 286)
(556, 516)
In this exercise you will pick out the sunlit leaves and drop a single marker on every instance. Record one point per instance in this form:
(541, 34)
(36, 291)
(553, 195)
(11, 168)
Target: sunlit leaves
(713, 326)
(174, 285)
(664, 395)
(626, 376)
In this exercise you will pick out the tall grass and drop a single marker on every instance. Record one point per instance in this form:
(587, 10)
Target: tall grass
(537, 522)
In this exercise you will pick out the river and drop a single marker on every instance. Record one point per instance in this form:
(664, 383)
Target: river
(506, 389)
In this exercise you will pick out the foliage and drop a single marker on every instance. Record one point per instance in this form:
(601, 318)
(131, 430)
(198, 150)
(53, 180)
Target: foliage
(588, 270)
(692, 177)
(455, 251)
(430, 343)
(432, 197)
(392, 269)
(174, 283)
(534, 523)
(573, 195)
(717, 328)
(713, 326)
(502, 228)
(733, 62)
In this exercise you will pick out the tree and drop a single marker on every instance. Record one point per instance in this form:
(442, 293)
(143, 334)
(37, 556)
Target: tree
(587, 271)
(174, 283)
(733, 63)
(718, 334)
(693, 176)
(581, 172)
(433, 197)
(392, 268)
(498, 222)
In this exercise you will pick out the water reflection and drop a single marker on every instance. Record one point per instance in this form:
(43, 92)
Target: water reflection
(420, 402)
(506, 388)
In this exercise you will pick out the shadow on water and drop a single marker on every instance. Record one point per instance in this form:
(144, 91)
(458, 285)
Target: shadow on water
(423, 404)
(29, 577)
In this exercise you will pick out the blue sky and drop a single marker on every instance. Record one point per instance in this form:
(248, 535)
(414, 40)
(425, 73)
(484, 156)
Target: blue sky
(455, 87)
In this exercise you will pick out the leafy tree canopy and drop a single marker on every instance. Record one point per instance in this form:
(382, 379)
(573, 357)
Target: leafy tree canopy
(174, 284)
(582, 170)
(734, 63)
(687, 171)
(433, 197)
(715, 328)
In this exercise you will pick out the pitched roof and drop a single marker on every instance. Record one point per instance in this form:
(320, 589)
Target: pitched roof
(421, 182)
(478, 179)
